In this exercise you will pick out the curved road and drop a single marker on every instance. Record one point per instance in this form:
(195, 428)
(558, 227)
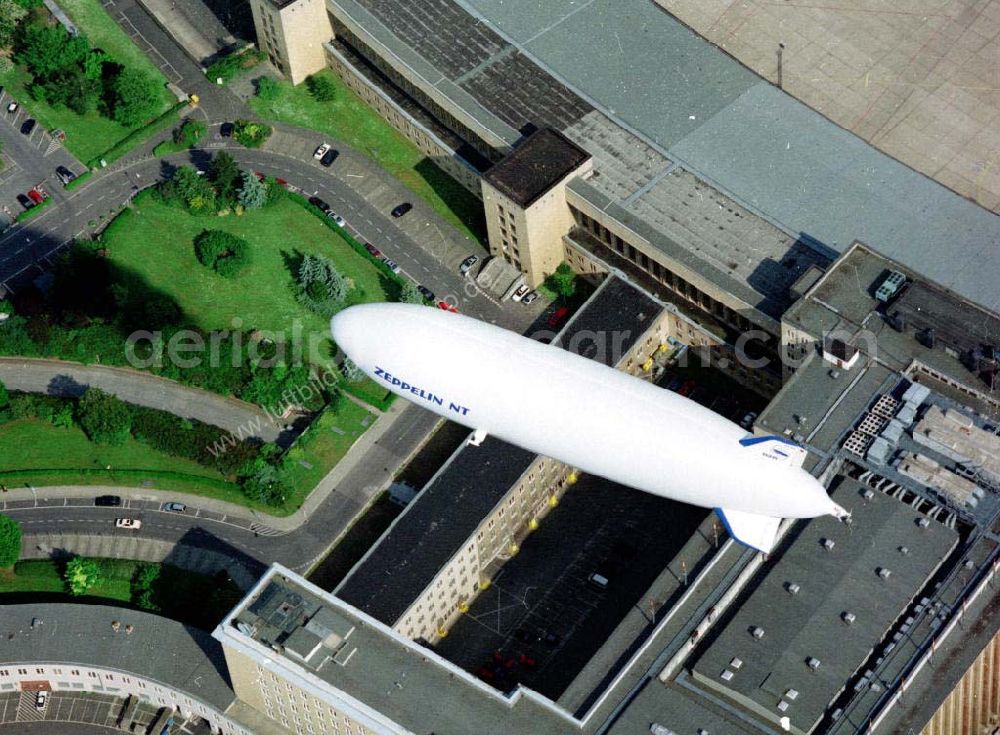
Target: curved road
(69, 379)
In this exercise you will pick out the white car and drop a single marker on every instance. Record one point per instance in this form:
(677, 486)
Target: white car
(321, 151)
(41, 699)
(522, 290)
(393, 266)
(12, 107)
(132, 524)
(337, 219)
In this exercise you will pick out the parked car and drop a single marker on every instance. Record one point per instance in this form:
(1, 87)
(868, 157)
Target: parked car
(519, 293)
(393, 265)
(175, 507)
(12, 107)
(28, 126)
(321, 150)
(320, 204)
(687, 388)
(132, 524)
(64, 174)
(373, 250)
(108, 501)
(467, 264)
(338, 220)
(400, 209)
(226, 129)
(41, 700)
(557, 316)
(448, 306)
(747, 421)
(426, 292)
(675, 383)
(36, 196)
(24, 201)
(529, 297)
(329, 157)
(598, 581)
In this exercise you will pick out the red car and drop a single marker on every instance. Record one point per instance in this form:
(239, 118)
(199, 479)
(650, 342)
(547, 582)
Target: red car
(687, 388)
(35, 196)
(447, 307)
(557, 316)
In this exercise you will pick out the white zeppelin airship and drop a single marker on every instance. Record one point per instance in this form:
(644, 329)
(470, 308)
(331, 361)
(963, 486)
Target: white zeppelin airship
(583, 413)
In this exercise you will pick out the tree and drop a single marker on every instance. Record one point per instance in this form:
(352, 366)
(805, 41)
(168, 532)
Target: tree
(10, 542)
(321, 87)
(4, 396)
(144, 587)
(188, 188)
(409, 294)
(253, 194)
(104, 418)
(225, 174)
(10, 15)
(250, 134)
(351, 371)
(81, 574)
(221, 251)
(189, 133)
(45, 49)
(267, 88)
(135, 97)
(321, 287)
(72, 88)
(563, 281)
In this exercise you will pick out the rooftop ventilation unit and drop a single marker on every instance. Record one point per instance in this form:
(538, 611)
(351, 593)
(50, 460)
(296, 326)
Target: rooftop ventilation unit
(924, 522)
(812, 663)
(868, 494)
(792, 695)
(782, 705)
(727, 675)
(736, 663)
(828, 544)
(792, 588)
(884, 573)
(848, 617)
(890, 286)
(904, 550)
(757, 632)
(657, 729)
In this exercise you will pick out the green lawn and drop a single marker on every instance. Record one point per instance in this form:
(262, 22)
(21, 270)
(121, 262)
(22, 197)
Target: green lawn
(156, 243)
(349, 119)
(87, 135)
(321, 447)
(38, 453)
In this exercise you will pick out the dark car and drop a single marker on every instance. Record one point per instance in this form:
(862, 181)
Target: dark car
(108, 501)
(226, 130)
(401, 209)
(426, 292)
(373, 250)
(64, 174)
(28, 125)
(329, 157)
(23, 200)
(319, 204)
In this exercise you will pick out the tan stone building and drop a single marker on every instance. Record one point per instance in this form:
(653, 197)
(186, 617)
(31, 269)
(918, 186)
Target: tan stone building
(292, 33)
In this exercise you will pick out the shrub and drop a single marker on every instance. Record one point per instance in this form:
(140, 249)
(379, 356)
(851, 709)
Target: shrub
(251, 134)
(268, 89)
(235, 63)
(221, 251)
(10, 542)
(321, 87)
(352, 372)
(189, 133)
(4, 395)
(409, 294)
(265, 485)
(104, 417)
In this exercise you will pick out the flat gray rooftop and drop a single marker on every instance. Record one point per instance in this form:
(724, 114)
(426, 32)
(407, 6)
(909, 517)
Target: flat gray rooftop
(719, 120)
(407, 683)
(809, 624)
(475, 479)
(160, 649)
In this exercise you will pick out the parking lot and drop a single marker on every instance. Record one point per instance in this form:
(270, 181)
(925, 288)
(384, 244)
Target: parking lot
(75, 712)
(29, 159)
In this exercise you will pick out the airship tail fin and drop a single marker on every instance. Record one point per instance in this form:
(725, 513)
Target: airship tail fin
(753, 530)
(776, 448)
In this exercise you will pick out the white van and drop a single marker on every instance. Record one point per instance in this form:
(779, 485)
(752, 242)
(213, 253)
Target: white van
(598, 581)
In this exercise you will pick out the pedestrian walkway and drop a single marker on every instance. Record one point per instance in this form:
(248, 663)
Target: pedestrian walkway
(68, 379)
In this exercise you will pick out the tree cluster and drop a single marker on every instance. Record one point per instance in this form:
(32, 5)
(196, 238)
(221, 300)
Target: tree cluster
(104, 418)
(222, 251)
(320, 286)
(251, 134)
(189, 133)
(67, 72)
(10, 542)
(221, 187)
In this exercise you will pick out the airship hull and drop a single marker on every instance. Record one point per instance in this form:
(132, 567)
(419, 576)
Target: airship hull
(578, 411)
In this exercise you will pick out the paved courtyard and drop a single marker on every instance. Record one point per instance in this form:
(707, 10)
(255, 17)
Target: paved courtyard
(920, 80)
